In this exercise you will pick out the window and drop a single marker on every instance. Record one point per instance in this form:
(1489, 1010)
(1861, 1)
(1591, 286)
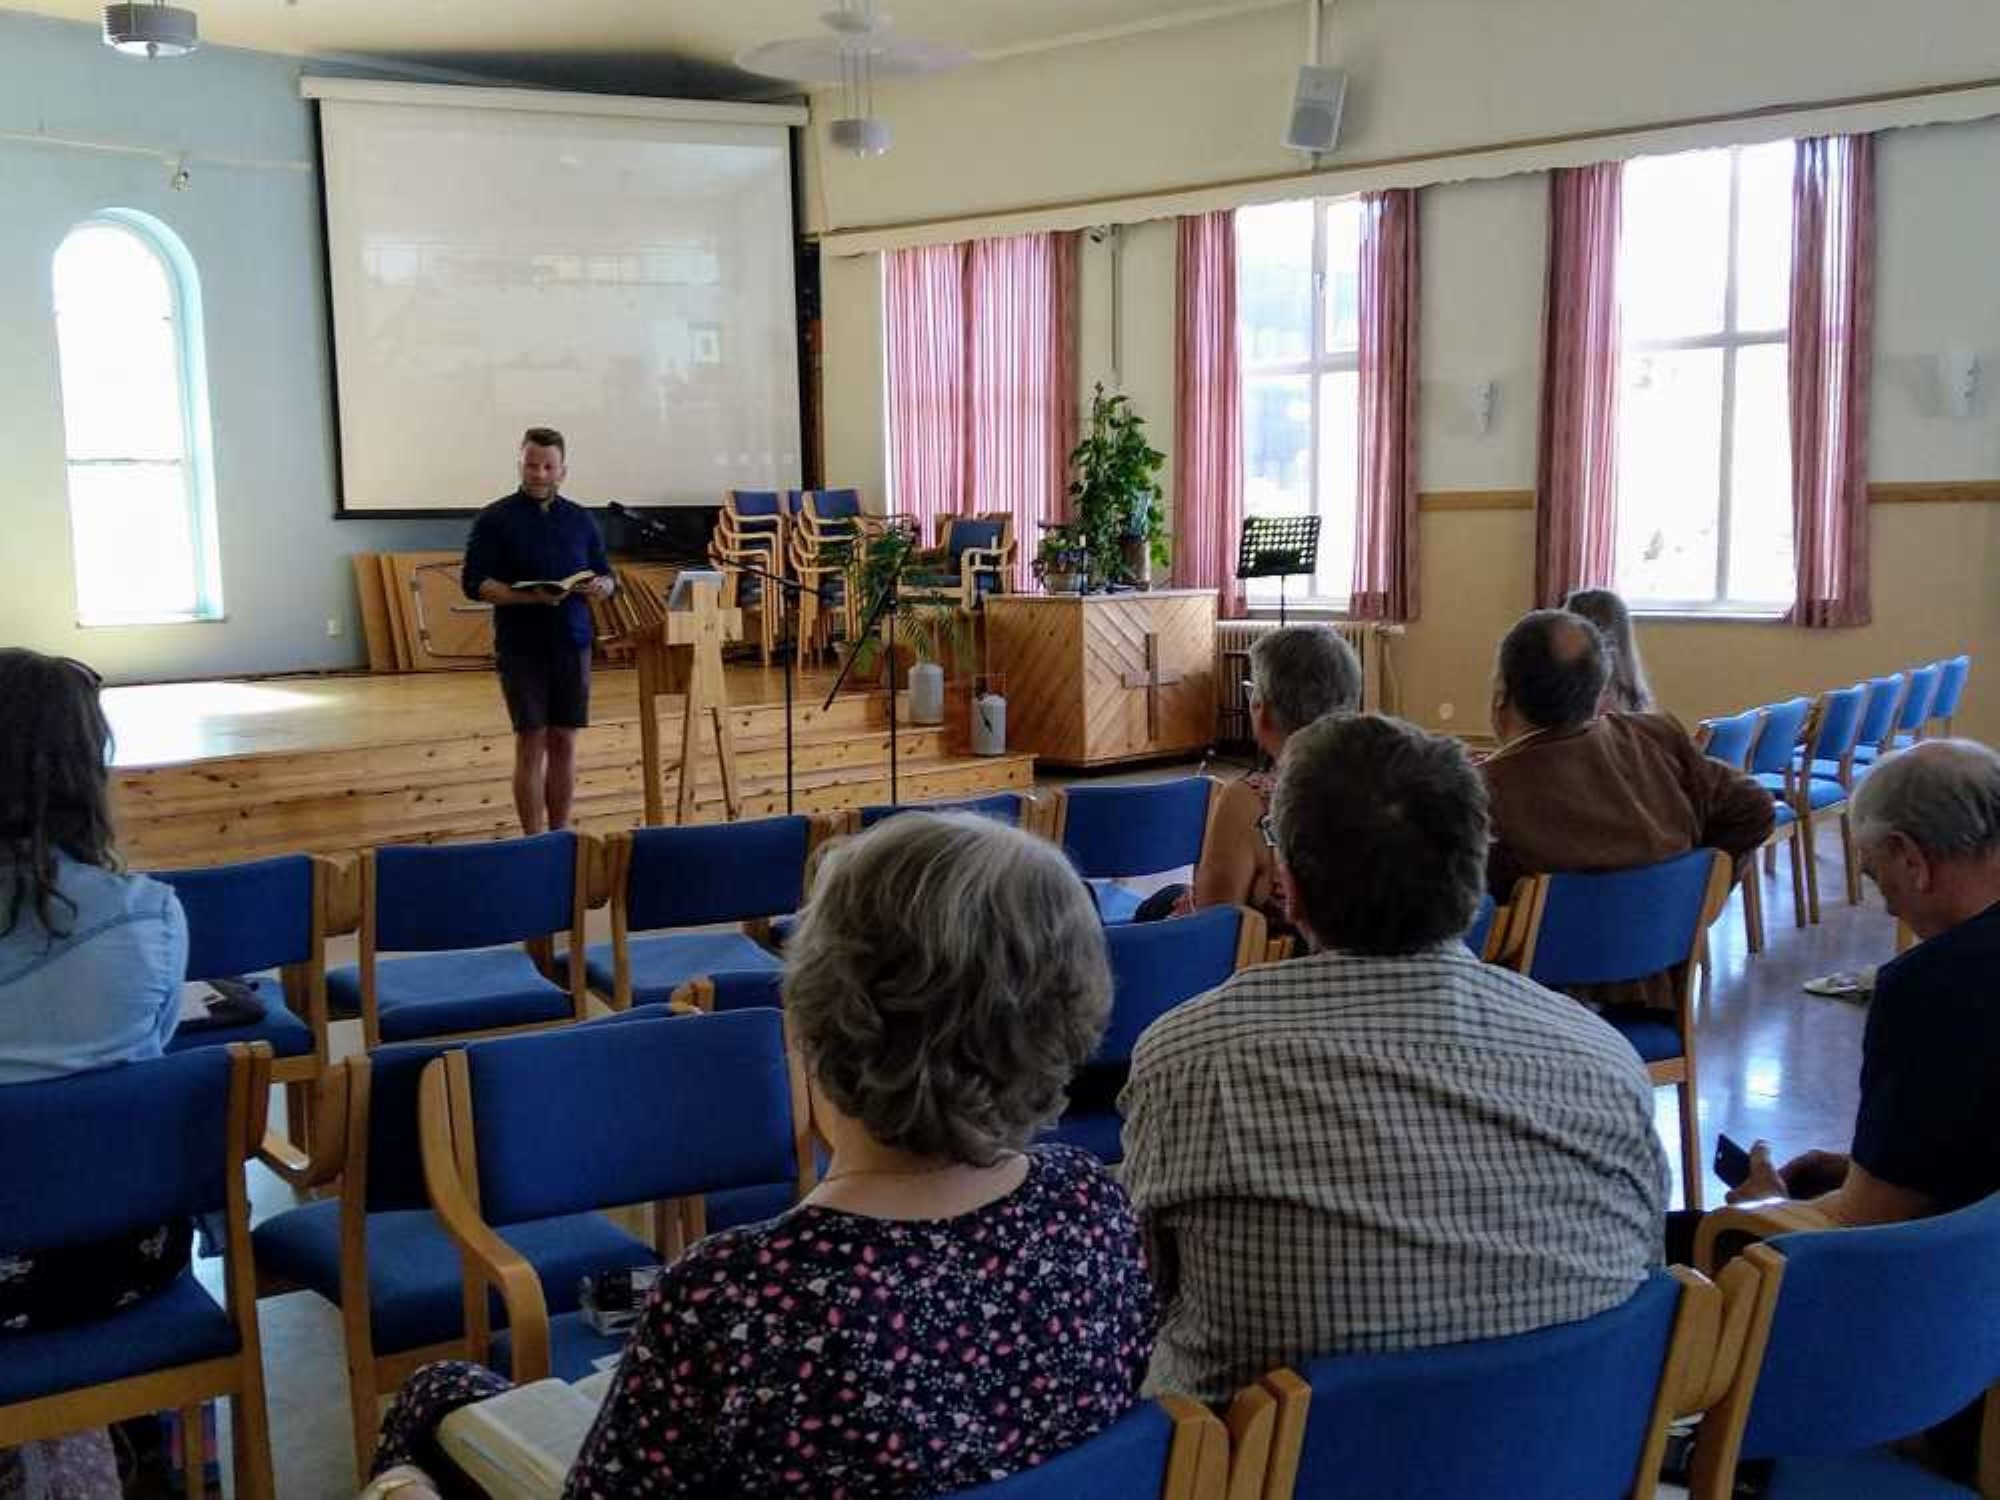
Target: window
(1298, 298)
(1704, 435)
(135, 420)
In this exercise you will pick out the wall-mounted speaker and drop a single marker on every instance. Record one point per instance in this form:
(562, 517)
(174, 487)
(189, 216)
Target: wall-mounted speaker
(1316, 102)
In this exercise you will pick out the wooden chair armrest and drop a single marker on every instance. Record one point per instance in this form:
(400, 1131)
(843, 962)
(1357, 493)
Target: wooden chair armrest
(304, 1170)
(1757, 1221)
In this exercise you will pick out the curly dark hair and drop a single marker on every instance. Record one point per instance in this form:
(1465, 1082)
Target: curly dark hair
(946, 982)
(55, 792)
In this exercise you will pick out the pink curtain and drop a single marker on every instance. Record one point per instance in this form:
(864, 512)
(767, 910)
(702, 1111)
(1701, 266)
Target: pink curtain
(1833, 293)
(1385, 522)
(924, 318)
(1576, 512)
(1208, 411)
(1020, 416)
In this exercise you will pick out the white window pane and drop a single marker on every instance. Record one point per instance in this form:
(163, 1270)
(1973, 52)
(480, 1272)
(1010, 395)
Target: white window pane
(1760, 483)
(1274, 308)
(1277, 450)
(106, 270)
(1339, 479)
(121, 387)
(1674, 249)
(134, 545)
(1764, 237)
(1669, 450)
(1343, 276)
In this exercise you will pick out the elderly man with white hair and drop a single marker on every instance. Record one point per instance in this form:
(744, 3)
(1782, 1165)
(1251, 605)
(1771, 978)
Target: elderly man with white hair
(1927, 1135)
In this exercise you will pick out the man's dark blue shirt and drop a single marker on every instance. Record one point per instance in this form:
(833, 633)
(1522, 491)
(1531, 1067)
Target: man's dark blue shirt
(517, 540)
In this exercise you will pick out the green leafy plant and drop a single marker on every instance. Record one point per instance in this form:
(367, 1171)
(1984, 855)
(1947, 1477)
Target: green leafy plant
(926, 630)
(1114, 495)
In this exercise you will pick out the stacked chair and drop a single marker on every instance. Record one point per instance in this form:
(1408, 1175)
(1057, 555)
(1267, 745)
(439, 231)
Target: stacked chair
(752, 530)
(828, 526)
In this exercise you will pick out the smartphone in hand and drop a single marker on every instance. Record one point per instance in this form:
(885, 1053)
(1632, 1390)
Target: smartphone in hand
(1732, 1162)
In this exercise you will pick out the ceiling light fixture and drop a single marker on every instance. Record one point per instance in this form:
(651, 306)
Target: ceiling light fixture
(151, 30)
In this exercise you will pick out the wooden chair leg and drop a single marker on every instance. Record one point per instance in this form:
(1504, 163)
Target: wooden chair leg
(1753, 907)
(1850, 858)
(1811, 843)
(250, 1439)
(364, 1409)
(194, 1455)
(1799, 906)
(1770, 859)
(1692, 1165)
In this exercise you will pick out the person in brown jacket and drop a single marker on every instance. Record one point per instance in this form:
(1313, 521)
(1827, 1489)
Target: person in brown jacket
(1573, 790)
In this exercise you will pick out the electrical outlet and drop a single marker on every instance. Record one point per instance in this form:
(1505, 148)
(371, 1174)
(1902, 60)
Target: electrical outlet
(1446, 713)
(332, 626)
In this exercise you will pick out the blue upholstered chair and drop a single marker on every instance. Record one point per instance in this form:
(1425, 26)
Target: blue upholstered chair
(1155, 966)
(972, 560)
(825, 529)
(1835, 728)
(1730, 739)
(696, 875)
(1878, 723)
(1774, 760)
(243, 921)
(567, 1122)
(378, 1253)
(1170, 1449)
(1006, 807)
(1859, 1337)
(97, 1155)
(1911, 715)
(1624, 925)
(1578, 1411)
(1952, 673)
(451, 907)
(753, 529)
(1116, 832)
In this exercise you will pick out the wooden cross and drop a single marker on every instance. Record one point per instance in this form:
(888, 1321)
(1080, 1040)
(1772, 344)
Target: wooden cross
(682, 653)
(1152, 680)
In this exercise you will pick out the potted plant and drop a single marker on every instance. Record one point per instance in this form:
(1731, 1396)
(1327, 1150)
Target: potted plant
(1117, 514)
(1062, 562)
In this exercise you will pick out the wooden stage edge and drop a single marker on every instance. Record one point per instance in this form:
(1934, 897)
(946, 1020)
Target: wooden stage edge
(210, 772)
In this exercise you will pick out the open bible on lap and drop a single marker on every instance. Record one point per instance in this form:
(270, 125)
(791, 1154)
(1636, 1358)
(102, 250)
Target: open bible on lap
(520, 1444)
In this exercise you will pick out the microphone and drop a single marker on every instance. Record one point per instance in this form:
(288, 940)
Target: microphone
(645, 523)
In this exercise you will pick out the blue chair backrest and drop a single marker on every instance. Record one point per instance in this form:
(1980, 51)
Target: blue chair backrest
(966, 535)
(1622, 924)
(590, 1116)
(1005, 806)
(717, 872)
(433, 897)
(830, 505)
(1784, 723)
(1951, 686)
(1140, 829)
(1878, 1333)
(1127, 1460)
(246, 917)
(795, 501)
(1482, 926)
(96, 1154)
(1560, 1413)
(754, 502)
(1158, 965)
(395, 1171)
(1883, 695)
(1917, 704)
(747, 989)
(1730, 739)
(1839, 722)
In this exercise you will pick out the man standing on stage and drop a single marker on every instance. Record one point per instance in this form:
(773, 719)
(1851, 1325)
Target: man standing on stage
(541, 635)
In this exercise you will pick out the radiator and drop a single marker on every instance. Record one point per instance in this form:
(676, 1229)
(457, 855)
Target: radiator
(1371, 642)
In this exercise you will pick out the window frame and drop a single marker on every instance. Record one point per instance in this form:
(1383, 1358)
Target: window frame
(1320, 361)
(1730, 341)
(196, 456)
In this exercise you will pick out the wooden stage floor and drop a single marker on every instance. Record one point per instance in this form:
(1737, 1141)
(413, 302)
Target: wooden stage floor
(206, 772)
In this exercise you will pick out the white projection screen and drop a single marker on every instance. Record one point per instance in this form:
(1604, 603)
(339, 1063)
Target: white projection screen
(620, 269)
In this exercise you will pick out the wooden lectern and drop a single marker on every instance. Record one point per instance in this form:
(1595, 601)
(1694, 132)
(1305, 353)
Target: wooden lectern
(681, 652)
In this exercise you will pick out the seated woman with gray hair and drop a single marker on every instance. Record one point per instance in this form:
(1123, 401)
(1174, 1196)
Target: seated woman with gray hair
(1298, 674)
(950, 1304)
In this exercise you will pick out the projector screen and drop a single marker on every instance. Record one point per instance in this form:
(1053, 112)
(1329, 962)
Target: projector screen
(620, 269)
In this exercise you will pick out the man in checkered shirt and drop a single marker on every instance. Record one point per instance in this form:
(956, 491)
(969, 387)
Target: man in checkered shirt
(1386, 1144)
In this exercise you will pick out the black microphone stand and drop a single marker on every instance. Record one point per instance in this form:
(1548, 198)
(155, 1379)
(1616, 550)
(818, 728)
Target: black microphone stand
(884, 605)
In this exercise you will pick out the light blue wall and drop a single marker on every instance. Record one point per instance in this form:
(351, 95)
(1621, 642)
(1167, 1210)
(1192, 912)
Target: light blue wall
(250, 219)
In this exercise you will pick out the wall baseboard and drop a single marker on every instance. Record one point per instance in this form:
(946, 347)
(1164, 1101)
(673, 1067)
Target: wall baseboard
(1476, 500)
(1953, 491)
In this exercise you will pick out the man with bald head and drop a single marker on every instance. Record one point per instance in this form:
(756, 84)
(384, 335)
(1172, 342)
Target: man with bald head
(1575, 790)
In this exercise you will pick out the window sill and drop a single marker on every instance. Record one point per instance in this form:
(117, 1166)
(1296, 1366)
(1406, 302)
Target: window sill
(148, 622)
(1719, 616)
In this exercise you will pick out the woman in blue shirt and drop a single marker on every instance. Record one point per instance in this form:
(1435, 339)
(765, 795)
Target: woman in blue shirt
(91, 961)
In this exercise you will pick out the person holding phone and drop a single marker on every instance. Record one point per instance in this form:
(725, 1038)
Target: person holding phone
(541, 635)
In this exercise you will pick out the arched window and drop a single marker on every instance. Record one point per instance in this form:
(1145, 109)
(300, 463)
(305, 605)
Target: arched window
(135, 419)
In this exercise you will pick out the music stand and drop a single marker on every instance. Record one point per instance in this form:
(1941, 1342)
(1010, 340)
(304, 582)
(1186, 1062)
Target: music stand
(1278, 547)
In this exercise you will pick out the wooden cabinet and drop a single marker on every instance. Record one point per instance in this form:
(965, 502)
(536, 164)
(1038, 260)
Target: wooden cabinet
(1097, 678)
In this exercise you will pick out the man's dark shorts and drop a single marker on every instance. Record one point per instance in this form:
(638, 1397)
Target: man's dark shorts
(546, 689)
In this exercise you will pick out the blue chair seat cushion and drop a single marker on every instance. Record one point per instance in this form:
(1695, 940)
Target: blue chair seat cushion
(181, 1325)
(415, 1272)
(1822, 791)
(1873, 1475)
(1651, 1032)
(574, 1348)
(438, 994)
(661, 965)
(288, 1035)
(1115, 903)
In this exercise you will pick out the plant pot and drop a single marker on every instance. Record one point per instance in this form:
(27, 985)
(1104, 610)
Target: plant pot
(1063, 583)
(1138, 558)
(927, 693)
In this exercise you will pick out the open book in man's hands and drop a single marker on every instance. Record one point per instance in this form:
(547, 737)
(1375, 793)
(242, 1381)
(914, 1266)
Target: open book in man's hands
(520, 1444)
(556, 587)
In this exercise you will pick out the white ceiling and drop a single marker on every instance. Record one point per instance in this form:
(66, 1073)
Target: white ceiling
(540, 39)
